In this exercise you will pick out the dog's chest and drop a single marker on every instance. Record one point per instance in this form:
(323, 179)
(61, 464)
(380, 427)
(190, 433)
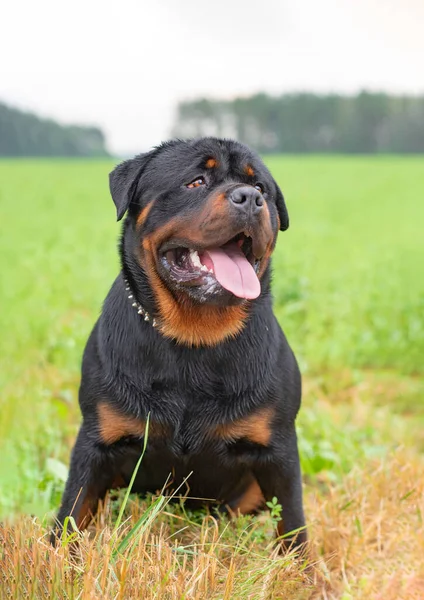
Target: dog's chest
(191, 407)
(196, 429)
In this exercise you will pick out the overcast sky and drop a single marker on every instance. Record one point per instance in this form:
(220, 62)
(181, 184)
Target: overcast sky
(125, 64)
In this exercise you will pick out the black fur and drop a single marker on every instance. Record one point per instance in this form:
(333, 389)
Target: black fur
(189, 390)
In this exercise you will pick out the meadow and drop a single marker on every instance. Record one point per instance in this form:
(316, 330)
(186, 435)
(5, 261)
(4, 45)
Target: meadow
(349, 292)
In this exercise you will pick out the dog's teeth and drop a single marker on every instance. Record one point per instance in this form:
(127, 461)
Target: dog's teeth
(195, 260)
(204, 268)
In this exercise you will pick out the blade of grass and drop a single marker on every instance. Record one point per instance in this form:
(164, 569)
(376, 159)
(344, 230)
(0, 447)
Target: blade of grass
(141, 525)
(146, 519)
(134, 475)
(67, 538)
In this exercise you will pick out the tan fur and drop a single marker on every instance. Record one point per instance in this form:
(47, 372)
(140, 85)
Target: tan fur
(144, 214)
(113, 425)
(256, 428)
(251, 500)
(211, 163)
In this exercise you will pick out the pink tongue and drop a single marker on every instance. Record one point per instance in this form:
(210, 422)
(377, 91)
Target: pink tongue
(233, 271)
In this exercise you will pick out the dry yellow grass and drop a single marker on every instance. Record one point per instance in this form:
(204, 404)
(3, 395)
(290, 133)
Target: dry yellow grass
(366, 541)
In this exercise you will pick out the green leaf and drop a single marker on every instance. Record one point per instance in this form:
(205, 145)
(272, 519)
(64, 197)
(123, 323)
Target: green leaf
(57, 469)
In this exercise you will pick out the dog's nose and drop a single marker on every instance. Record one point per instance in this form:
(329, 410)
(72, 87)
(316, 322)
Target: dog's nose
(247, 199)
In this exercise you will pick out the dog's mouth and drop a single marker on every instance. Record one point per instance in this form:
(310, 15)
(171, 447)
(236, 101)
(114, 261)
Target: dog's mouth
(231, 266)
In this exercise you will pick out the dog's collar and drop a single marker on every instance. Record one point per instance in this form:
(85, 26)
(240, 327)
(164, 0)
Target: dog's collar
(141, 311)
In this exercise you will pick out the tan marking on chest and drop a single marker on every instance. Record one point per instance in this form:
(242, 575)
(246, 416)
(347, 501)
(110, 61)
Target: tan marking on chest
(256, 428)
(113, 425)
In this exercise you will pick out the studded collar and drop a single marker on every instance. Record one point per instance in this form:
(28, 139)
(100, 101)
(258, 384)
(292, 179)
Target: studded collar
(141, 311)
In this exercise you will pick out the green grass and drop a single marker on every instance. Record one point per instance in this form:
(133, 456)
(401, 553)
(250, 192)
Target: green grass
(348, 288)
(348, 284)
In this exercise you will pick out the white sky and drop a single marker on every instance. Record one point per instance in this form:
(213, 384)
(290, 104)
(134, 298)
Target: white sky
(124, 65)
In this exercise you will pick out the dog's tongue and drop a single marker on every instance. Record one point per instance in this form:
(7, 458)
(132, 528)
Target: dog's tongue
(233, 271)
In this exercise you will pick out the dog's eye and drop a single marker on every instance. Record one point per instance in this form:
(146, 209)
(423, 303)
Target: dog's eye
(196, 183)
(260, 187)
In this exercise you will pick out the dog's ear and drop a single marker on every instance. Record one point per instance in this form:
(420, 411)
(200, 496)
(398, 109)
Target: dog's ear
(282, 209)
(123, 182)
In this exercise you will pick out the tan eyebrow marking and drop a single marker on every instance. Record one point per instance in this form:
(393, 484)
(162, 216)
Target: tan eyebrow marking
(211, 163)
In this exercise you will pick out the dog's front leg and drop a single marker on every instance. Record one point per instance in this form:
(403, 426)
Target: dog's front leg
(90, 476)
(280, 477)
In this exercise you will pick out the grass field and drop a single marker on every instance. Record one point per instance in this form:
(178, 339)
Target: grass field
(349, 293)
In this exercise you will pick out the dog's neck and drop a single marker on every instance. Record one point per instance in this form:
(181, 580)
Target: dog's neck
(138, 307)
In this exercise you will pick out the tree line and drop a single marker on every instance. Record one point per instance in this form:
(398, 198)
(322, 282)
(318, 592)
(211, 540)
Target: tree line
(365, 123)
(25, 134)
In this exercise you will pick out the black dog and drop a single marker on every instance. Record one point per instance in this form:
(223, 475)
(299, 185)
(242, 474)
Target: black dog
(188, 339)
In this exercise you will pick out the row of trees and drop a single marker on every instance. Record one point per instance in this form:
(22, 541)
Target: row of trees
(25, 134)
(366, 123)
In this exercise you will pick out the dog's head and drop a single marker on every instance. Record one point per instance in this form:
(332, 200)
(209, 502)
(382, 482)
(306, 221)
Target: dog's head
(203, 218)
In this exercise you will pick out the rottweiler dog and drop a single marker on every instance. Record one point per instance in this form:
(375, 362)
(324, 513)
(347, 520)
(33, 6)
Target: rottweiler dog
(187, 340)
